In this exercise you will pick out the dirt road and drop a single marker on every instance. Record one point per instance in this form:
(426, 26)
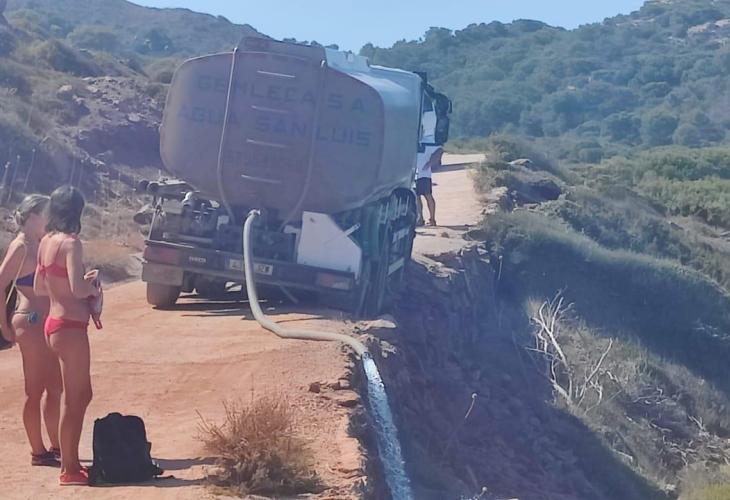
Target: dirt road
(457, 207)
(170, 366)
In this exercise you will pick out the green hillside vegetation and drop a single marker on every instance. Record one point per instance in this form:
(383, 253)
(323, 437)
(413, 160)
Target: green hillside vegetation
(653, 78)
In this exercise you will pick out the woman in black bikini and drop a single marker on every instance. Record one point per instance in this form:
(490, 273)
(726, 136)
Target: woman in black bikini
(40, 364)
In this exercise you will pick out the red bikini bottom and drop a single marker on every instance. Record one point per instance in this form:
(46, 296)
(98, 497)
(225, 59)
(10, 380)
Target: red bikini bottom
(54, 325)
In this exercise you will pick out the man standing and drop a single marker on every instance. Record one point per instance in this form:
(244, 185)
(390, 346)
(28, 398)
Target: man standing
(434, 134)
(427, 161)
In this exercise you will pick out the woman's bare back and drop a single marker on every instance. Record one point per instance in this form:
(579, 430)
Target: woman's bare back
(56, 269)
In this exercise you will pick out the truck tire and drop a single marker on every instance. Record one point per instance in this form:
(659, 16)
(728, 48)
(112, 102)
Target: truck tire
(377, 293)
(162, 296)
(405, 247)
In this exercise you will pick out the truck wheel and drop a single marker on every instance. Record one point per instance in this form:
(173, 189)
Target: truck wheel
(378, 287)
(398, 278)
(404, 248)
(162, 295)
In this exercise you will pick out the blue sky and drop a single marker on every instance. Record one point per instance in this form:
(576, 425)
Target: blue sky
(352, 23)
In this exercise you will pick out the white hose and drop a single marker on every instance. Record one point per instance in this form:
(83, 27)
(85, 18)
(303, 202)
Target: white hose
(270, 325)
(385, 430)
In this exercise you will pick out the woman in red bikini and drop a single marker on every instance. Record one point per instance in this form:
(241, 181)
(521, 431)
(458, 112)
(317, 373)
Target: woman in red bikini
(60, 275)
(25, 326)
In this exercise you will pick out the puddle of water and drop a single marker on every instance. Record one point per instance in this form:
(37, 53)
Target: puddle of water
(386, 434)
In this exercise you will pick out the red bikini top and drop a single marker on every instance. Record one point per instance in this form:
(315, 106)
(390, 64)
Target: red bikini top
(54, 269)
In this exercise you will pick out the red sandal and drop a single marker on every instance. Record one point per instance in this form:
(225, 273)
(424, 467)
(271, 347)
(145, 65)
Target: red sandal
(80, 478)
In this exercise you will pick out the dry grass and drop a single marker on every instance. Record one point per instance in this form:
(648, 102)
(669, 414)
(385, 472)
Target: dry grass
(700, 484)
(656, 416)
(257, 451)
(112, 259)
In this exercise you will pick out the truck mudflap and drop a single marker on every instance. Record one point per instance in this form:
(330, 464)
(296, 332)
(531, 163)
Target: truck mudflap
(167, 264)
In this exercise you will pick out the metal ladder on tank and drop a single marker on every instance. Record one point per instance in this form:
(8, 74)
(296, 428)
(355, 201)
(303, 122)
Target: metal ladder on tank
(261, 73)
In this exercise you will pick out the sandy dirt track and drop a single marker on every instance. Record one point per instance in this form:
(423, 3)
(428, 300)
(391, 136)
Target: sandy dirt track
(168, 366)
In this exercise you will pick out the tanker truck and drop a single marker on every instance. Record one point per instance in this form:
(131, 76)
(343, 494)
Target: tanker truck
(322, 143)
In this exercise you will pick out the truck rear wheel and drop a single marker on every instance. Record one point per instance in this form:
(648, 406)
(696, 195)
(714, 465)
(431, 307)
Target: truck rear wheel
(377, 293)
(405, 248)
(162, 295)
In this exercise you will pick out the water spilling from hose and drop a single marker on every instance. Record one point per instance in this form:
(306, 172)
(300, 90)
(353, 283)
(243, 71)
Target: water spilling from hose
(386, 433)
(389, 449)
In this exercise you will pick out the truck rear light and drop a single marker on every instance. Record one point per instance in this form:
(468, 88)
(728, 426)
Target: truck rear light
(161, 255)
(334, 281)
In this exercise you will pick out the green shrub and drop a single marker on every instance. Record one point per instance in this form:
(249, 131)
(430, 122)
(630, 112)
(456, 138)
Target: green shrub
(42, 21)
(95, 38)
(708, 199)
(155, 41)
(621, 219)
(701, 484)
(685, 164)
(716, 492)
(688, 135)
(506, 148)
(659, 128)
(161, 70)
(689, 182)
(61, 57)
(14, 134)
(13, 79)
(157, 91)
(590, 154)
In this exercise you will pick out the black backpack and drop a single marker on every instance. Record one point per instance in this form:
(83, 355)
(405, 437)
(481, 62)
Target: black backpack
(121, 451)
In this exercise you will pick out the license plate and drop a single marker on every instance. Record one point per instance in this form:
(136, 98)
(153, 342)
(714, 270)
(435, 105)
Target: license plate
(265, 269)
(235, 264)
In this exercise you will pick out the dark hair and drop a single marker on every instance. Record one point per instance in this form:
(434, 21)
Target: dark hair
(64, 210)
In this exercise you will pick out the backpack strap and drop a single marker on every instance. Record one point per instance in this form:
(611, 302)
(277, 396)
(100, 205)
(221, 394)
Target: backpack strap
(13, 288)
(14, 283)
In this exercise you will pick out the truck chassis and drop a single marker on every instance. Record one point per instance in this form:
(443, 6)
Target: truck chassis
(182, 256)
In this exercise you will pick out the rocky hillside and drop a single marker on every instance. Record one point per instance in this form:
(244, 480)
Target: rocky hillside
(82, 89)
